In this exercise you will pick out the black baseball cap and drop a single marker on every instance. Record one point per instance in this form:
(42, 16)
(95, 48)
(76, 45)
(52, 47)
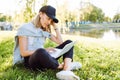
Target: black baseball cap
(50, 12)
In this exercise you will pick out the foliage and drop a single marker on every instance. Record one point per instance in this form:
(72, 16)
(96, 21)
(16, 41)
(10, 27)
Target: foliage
(117, 17)
(89, 13)
(93, 14)
(29, 10)
(107, 19)
(63, 13)
(4, 18)
(45, 2)
(99, 62)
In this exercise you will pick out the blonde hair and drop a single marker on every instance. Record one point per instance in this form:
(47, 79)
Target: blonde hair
(36, 22)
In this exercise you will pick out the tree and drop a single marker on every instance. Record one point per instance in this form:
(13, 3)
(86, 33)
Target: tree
(4, 18)
(116, 17)
(29, 10)
(45, 2)
(96, 15)
(93, 14)
(64, 13)
(107, 19)
(100, 16)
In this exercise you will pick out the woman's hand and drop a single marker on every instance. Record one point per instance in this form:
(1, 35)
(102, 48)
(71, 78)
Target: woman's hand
(53, 24)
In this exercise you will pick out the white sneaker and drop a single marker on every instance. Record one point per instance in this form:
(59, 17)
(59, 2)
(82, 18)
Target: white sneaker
(75, 66)
(67, 75)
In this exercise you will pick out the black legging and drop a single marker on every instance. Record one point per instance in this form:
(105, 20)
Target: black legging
(41, 59)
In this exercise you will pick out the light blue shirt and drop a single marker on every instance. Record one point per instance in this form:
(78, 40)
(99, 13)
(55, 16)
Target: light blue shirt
(36, 39)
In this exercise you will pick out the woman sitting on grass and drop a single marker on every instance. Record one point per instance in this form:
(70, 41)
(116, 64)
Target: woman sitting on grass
(29, 46)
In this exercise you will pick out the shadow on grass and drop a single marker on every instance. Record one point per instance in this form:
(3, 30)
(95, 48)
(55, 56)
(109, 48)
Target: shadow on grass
(19, 72)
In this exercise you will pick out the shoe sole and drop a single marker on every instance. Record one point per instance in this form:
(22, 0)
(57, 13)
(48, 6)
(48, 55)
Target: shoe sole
(67, 77)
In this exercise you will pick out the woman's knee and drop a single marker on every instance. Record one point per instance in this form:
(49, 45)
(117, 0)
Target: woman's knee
(39, 52)
(37, 57)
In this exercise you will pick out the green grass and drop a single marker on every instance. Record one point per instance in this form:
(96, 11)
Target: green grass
(100, 61)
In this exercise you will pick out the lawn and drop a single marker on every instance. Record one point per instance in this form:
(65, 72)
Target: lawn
(100, 59)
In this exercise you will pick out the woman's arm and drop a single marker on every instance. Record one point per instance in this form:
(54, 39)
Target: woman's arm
(23, 42)
(57, 38)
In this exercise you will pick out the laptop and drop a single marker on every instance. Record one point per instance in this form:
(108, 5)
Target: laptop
(58, 52)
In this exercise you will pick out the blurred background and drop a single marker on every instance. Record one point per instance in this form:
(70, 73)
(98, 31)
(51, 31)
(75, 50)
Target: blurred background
(92, 18)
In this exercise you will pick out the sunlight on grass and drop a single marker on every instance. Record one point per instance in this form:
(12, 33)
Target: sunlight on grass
(6, 34)
(96, 42)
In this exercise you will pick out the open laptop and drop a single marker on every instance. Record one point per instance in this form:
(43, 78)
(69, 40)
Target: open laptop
(58, 52)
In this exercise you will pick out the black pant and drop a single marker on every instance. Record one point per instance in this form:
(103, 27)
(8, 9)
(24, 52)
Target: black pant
(41, 59)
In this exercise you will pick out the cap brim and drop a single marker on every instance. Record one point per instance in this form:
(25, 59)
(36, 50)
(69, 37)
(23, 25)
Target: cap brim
(53, 17)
